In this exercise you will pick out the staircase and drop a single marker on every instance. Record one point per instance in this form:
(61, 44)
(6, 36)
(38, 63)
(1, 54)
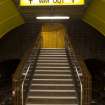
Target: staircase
(52, 82)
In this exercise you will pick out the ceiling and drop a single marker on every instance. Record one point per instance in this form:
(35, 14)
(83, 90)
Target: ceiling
(75, 12)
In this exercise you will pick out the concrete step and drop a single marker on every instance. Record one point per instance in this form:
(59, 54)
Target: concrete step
(52, 55)
(53, 67)
(48, 76)
(52, 100)
(51, 104)
(55, 75)
(52, 58)
(52, 82)
(52, 61)
(49, 87)
(54, 64)
(53, 72)
(47, 81)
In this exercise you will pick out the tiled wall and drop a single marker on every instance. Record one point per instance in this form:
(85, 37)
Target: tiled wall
(88, 42)
(15, 43)
(9, 17)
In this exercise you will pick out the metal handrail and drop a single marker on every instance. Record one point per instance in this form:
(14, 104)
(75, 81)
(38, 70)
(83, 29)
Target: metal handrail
(78, 75)
(22, 86)
(22, 89)
(18, 78)
(80, 85)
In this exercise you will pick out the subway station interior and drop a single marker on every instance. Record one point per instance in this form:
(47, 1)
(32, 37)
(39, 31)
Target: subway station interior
(52, 52)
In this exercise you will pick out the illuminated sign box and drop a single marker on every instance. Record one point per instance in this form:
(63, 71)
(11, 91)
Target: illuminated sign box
(50, 2)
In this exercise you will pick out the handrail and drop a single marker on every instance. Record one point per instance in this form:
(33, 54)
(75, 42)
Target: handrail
(18, 80)
(81, 85)
(22, 85)
(22, 90)
(85, 84)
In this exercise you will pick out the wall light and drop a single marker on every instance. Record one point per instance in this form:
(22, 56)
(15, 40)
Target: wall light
(53, 17)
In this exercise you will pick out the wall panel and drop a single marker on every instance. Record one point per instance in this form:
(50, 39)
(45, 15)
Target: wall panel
(9, 17)
(95, 15)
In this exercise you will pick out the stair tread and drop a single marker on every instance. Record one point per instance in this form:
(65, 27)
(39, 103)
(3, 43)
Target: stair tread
(53, 67)
(52, 72)
(50, 63)
(53, 97)
(52, 82)
(52, 87)
(51, 104)
(52, 93)
(52, 77)
(52, 101)
(52, 55)
(51, 90)
(56, 75)
(47, 70)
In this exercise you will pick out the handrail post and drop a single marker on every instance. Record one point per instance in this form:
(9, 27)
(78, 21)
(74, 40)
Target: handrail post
(80, 85)
(22, 89)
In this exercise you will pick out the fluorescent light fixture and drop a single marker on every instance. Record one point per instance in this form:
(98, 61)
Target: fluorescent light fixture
(52, 17)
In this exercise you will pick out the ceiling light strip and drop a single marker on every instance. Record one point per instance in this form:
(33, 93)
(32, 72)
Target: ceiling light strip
(52, 17)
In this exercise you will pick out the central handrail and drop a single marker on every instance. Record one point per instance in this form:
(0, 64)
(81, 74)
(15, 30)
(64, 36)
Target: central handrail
(22, 89)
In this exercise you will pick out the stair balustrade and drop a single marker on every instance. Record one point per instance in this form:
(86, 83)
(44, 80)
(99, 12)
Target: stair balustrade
(51, 61)
(81, 74)
(22, 76)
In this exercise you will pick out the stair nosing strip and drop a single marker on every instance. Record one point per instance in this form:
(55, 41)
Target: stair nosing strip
(55, 70)
(52, 48)
(52, 97)
(36, 90)
(53, 63)
(52, 55)
(52, 84)
(48, 60)
(52, 79)
(51, 104)
(63, 75)
(50, 67)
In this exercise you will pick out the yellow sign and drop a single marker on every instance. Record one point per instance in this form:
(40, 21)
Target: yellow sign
(50, 2)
